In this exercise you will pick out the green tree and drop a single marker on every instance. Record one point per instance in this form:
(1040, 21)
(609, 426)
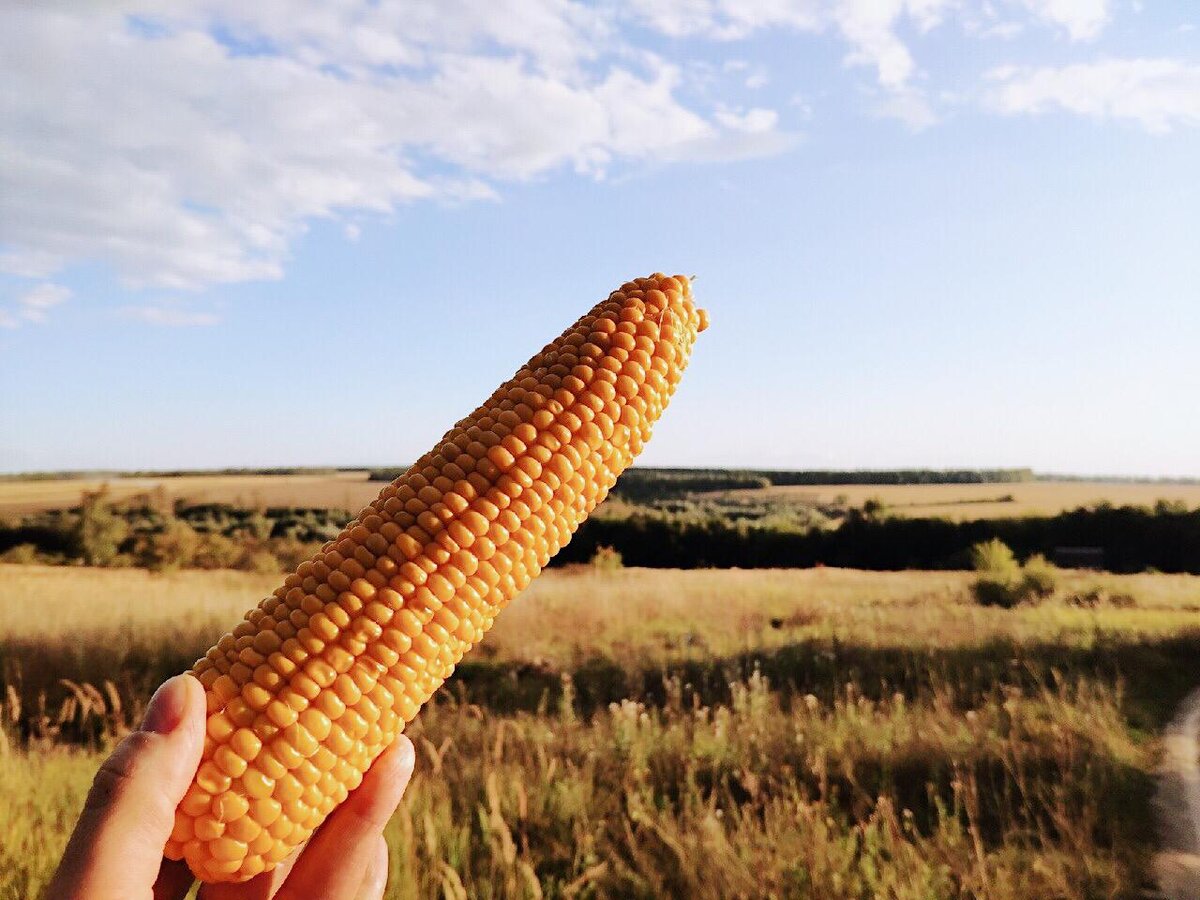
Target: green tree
(994, 557)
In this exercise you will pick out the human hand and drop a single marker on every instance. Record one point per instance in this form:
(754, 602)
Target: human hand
(115, 852)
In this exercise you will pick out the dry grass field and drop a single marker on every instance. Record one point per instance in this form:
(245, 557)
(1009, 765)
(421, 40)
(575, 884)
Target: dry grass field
(964, 502)
(341, 490)
(711, 734)
(352, 490)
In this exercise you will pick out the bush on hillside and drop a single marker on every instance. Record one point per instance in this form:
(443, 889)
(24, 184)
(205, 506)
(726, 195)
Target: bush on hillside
(994, 590)
(994, 557)
(22, 554)
(606, 559)
(99, 530)
(1039, 577)
(1004, 582)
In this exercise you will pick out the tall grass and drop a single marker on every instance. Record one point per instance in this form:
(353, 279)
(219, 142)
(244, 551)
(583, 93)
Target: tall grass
(819, 734)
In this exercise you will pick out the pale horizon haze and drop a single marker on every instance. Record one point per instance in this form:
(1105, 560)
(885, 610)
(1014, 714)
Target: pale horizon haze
(929, 233)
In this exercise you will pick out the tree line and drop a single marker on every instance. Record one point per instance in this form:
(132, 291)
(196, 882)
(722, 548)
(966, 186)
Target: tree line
(1121, 539)
(1130, 538)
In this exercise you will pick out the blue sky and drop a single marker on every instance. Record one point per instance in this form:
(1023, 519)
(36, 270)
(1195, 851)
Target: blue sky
(929, 232)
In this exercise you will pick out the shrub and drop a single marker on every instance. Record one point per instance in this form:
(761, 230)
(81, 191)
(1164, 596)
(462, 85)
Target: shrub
(215, 551)
(175, 547)
(1004, 582)
(23, 554)
(874, 508)
(263, 562)
(1095, 596)
(1039, 578)
(1088, 598)
(606, 559)
(259, 526)
(99, 531)
(997, 590)
(290, 552)
(995, 558)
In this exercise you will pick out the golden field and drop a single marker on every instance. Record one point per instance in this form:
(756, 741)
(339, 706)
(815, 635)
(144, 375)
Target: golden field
(348, 490)
(351, 490)
(654, 733)
(964, 502)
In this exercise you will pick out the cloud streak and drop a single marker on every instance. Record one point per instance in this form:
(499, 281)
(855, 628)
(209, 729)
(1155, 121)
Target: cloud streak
(1083, 20)
(168, 316)
(32, 304)
(1158, 95)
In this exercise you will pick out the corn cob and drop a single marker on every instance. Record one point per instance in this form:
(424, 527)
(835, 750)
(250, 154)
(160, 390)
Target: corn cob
(322, 676)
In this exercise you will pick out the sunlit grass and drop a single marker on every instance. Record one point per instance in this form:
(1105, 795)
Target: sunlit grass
(708, 734)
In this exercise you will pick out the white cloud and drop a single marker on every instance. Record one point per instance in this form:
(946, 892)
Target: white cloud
(753, 121)
(909, 106)
(40, 298)
(170, 316)
(802, 105)
(1005, 31)
(193, 145)
(870, 27)
(155, 147)
(32, 304)
(728, 20)
(1156, 94)
(873, 30)
(1082, 19)
(754, 76)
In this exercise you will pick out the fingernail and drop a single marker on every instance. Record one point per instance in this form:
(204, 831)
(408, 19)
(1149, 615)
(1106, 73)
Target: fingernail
(407, 760)
(407, 752)
(167, 706)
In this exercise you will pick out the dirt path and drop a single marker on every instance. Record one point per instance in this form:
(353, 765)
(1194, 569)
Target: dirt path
(1177, 805)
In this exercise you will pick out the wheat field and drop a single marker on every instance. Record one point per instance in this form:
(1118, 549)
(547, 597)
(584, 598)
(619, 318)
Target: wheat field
(652, 733)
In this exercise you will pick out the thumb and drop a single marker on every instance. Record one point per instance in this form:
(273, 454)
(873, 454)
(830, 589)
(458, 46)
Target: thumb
(117, 845)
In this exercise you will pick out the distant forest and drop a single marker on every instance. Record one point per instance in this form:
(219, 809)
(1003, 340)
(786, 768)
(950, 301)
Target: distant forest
(647, 481)
(640, 484)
